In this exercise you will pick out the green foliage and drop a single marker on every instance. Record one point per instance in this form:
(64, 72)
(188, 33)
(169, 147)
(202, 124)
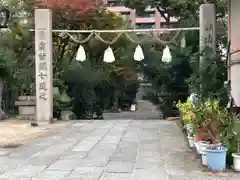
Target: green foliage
(207, 79)
(169, 80)
(3, 68)
(174, 81)
(16, 49)
(231, 134)
(85, 82)
(61, 101)
(94, 85)
(183, 9)
(82, 81)
(213, 123)
(98, 87)
(187, 110)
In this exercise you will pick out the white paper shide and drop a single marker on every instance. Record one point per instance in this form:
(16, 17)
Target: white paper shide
(108, 55)
(81, 55)
(166, 57)
(138, 54)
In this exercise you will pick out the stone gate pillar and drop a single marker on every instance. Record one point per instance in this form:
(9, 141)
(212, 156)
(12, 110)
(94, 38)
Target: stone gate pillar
(207, 23)
(234, 37)
(43, 64)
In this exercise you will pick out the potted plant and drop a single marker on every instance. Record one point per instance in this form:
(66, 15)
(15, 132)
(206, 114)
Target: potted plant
(208, 123)
(188, 118)
(201, 141)
(213, 117)
(187, 115)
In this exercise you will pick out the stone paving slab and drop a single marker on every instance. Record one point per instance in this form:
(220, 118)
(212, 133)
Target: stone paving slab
(149, 174)
(116, 176)
(120, 167)
(85, 173)
(52, 175)
(108, 150)
(26, 172)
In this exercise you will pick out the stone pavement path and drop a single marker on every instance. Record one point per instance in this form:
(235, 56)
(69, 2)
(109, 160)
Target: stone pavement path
(107, 150)
(145, 111)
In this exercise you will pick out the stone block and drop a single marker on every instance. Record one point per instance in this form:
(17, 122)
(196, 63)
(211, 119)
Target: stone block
(70, 155)
(124, 156)
(116, 176)
(27, 98)
(149, 174)
(85, 173)
(64, 165)
(52, 175)
(27, 110)
(120, 167)
(23, 173)
(42, 160)
(95, 162)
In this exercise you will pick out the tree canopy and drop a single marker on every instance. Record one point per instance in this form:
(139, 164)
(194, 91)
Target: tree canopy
(92, 83)
(182, 9)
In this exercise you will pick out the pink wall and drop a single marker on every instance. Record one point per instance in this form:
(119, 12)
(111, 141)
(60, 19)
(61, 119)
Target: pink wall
(155, 19)
(234, 37)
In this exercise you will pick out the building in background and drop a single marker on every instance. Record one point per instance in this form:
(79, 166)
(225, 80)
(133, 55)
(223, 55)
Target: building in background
(150, 19)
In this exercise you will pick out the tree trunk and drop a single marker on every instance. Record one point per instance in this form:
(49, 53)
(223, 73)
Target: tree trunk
(164, 14)
(2, 114)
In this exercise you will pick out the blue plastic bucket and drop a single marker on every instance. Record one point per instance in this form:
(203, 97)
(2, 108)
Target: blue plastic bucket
(216, 158)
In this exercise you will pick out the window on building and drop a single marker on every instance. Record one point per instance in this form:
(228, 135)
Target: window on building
(146, 14)
(125, 15)
(145, 25)
(164, 25)
(126, 19)
(172, 25)
(114, 3)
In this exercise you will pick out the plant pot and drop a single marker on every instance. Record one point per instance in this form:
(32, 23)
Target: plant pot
(216, 158)
(191, 141)
(204, 159)
(236, 161)
(203, 145)
(197, 147)
(189, 127)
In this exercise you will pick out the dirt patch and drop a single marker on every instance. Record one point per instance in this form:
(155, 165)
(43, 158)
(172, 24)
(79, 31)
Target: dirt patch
(173, 118)
(14, 133)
